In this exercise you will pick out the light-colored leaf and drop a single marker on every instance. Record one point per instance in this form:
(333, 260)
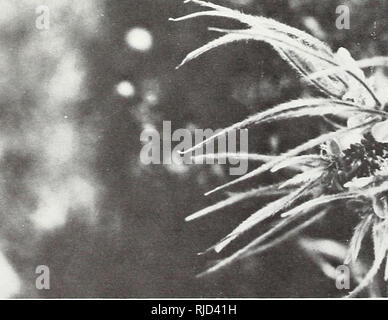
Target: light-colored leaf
(261, 115)
(262, 214)
(305, 159)
(380, 206)
(311, 204)
(252, 245)
(236, 197)
(269, 24)
(286, 236)
(355, 243)
(291, 153)
(228, 38)
(230, 155)
(364, 63)
(295, 108)
(380, 231)
(308, 175)
(380, 131)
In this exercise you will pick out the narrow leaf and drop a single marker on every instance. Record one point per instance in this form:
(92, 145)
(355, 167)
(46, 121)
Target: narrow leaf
(355, 243)
(262, 214)
(291, 153)
(380, 245)
(258, 192)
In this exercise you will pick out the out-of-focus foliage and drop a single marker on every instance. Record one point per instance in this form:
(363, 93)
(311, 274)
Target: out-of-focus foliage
(74, 99)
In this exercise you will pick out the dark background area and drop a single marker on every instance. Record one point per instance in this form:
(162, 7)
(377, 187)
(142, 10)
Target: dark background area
(139, 244)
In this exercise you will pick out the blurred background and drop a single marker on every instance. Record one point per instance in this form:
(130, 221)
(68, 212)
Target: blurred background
(75, 96)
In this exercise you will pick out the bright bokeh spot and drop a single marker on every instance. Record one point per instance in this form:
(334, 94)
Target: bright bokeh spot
(125, 89)
(139, 39)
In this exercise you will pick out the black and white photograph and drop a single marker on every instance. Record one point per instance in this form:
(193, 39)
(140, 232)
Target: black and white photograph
(193, 150)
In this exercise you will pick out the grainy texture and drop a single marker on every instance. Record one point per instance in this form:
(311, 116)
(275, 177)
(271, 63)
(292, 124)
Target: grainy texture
(74, 194)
